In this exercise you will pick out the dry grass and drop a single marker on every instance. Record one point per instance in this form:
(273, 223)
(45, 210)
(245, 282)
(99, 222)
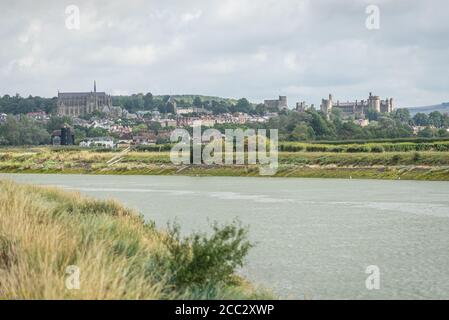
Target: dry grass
(423, 165)
(43, 231)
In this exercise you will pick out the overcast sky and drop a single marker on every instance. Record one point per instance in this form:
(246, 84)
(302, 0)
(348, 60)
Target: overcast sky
(258, 49)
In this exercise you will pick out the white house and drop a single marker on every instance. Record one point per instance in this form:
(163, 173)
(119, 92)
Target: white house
(105, 142)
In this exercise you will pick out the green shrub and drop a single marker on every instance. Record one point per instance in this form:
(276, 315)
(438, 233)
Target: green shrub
(403, 147)
(104, 150)
(290, 147)
(417, 157)
(201, 260)
(360, 148)
(316, 148)
(441, 146)
(8, 254)
(337, 149)
(399, 147)
(395, 159)
(424, 146)
(377, 149)
(154, 148)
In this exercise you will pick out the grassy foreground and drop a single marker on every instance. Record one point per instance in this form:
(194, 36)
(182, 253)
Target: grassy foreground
(422, 165)
(43, 231)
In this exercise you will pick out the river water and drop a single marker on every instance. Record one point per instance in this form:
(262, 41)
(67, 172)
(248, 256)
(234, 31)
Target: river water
(314, 237)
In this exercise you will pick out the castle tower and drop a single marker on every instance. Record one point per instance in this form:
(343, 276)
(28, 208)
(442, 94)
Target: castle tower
(374, 102)
(377, 103)
(326, 105)
(282, 102)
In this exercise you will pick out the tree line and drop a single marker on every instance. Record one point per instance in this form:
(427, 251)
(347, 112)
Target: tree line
(20, 105)
(314, 125)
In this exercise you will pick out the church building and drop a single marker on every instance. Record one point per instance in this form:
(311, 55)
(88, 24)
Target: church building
(74, 104)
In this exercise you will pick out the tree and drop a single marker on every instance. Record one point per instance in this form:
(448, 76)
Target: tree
(350, 130)
(421, 119)
(320, 125)
(24, 131)
(219, 107)
(445, 119)
(140, 129)
(155, 126)
(427, 133)
(148, 101)
(443, 133)
(56, 122)
(402, 115)
(372, 115)
(436, 119)
(302, 132)
(261, 109)
(97, 132)
(242, 105)
(197, 102)
(138, 102)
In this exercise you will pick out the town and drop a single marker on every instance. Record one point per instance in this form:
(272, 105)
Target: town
(97, 119)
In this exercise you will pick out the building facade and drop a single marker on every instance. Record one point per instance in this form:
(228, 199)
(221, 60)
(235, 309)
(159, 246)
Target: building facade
(280, 103)
(63, 137)
(303, 107)
(74, 104)
(357, 107)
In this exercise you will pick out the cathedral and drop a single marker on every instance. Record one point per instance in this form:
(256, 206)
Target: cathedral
(74, 104)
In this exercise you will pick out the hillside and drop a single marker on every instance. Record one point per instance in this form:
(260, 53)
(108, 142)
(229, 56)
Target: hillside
(443, 108)
(190, 97)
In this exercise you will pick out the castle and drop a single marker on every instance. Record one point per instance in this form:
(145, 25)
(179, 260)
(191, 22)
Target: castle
(358, 107)
(75, 104)
(280, 103)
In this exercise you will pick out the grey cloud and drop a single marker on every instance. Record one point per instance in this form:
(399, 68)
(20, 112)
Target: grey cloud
(235, 48)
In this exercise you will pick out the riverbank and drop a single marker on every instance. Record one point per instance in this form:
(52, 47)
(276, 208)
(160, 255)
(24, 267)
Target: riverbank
(425, 165)
(48, 237)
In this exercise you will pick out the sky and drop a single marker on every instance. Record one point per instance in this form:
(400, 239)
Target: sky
(258, 49)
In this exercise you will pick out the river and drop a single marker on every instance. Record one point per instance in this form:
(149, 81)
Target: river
(314, 237)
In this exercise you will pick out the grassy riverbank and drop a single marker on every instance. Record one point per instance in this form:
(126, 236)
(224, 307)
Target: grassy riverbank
(43, 231)
(413, 165)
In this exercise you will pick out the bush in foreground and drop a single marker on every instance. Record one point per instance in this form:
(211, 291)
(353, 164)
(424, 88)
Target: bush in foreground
(201, 260)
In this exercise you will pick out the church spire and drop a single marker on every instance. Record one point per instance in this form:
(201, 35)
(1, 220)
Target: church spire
(95, 86)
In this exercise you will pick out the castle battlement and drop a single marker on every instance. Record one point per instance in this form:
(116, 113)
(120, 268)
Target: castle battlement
(358, 107)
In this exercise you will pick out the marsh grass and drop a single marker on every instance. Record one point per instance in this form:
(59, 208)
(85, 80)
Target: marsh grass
(44, 230)
(377, 164)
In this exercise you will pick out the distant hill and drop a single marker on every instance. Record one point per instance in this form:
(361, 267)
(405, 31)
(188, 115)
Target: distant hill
(190, 97)
(443, 108)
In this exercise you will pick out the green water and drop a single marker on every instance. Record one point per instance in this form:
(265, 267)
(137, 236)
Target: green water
(314, 237)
